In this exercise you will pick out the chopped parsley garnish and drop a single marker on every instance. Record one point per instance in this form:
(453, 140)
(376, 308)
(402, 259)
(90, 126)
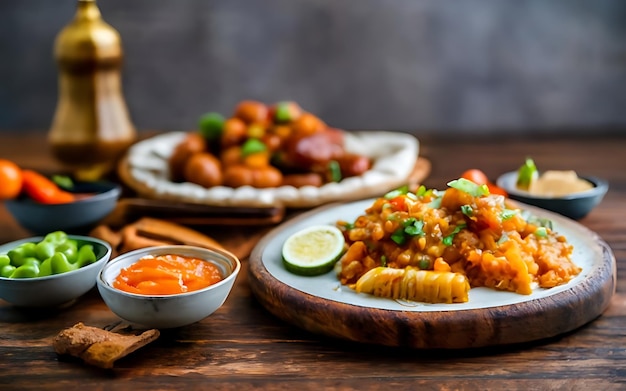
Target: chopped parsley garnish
(507, 214)
(467, 210)
(415, 228)
(410, 227)
(398, 236)
(383, 261)
(447, 240)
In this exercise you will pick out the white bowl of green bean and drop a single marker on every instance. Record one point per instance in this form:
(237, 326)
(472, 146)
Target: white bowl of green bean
(50, 270)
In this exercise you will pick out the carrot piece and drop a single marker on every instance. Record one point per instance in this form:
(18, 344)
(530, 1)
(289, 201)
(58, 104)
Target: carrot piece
(42, 189)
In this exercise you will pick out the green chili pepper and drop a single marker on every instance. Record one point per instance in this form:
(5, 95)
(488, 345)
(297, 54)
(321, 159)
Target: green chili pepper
(69, 248)
(44, 250)
(19, 254)
(45, 269)
(4, 260)
(86, 255)
(59, 264)
(7, 270)
(26, 271)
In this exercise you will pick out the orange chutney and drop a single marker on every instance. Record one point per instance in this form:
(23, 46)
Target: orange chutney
(167, 275)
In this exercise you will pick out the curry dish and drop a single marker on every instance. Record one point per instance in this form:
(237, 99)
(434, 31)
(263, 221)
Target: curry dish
(432, 246)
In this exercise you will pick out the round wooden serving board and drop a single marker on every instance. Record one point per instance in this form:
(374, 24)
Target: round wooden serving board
(321, 305)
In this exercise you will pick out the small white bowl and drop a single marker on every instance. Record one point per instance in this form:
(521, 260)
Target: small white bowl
(575, 205)
(168, 311)
(58, 289)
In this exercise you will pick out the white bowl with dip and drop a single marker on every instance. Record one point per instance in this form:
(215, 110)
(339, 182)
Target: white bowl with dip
(172, 310)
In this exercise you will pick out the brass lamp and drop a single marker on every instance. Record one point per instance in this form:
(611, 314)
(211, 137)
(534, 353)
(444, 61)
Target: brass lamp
(91, 128)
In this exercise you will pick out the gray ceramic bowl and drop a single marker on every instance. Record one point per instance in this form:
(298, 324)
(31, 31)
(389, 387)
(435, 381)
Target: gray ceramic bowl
(575, 206)
(58, 289)
(73, 217)
(168, 311)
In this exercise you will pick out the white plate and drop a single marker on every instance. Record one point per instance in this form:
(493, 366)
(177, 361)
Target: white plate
(587, 252)
(394, 155)
(322, 305)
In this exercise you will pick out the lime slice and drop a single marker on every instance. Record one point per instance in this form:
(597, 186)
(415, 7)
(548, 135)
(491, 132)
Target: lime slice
(313, 250)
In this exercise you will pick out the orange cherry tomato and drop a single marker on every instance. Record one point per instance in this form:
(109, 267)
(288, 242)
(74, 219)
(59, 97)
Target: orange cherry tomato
(10, 179)
(42, 189)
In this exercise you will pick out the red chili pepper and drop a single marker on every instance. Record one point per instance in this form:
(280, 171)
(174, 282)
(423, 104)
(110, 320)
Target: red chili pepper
(42, 189)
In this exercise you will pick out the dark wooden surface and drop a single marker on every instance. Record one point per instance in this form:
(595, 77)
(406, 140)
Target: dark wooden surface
(243, 346)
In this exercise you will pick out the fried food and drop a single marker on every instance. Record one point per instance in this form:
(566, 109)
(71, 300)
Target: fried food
(99, 347)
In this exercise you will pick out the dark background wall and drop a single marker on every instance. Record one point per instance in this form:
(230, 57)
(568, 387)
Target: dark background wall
(487, 66)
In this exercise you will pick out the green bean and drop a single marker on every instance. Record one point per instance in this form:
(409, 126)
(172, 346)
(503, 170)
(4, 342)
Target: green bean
(56, 237)
(69, 248)
(45, 269)
(44, 250)
(31, 261)
(56, 253)
(59, 264)
(7, 270)
(86, 255)
(26, 271)
(4, 260)
(19, 254)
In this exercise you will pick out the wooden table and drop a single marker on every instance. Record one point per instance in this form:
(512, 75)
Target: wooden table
(243, 346)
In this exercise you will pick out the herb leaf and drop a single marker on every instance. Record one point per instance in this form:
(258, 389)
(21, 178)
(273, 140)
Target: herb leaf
(469, 187)
(467, 210)
(447, 240)
(397, 192)
(507, 214)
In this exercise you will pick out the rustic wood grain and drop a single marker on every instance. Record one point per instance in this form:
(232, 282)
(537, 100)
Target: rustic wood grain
(243, 346)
